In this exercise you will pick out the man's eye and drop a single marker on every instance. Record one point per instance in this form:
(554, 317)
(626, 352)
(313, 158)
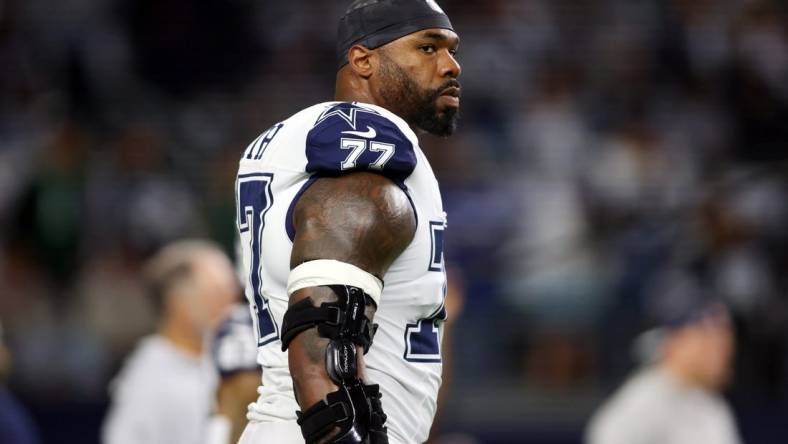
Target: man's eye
(453, 52)
(429, 49)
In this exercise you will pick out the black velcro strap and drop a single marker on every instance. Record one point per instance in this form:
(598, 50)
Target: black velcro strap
(303, 316)
(343, 319)
(379, 436)
(321, 418)
(378, 416)
(354, 412)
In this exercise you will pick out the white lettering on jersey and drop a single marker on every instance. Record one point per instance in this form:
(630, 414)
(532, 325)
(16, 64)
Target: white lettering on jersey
(358, 147)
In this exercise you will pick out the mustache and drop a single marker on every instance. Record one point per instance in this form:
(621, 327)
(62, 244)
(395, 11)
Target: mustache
(446, 85)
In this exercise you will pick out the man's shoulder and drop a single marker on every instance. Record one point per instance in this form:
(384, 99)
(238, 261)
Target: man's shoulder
(640, 400)
(353, 136)
(151, 360)
(358, 117)
(333, 138)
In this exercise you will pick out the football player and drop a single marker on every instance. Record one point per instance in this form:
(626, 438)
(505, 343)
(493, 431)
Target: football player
(341, 224)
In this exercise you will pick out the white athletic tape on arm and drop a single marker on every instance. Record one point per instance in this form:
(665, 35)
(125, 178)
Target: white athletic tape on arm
(330, 272)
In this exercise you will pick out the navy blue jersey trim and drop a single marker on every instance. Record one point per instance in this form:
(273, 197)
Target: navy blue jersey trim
(228, 373)
(289, 226)
(409, 329)
(401, 184)
(244, 176)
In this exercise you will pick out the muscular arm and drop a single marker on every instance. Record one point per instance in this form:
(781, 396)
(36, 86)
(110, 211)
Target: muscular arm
(363, 219)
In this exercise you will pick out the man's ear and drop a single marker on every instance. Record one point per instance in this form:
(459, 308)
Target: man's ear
(361, 60)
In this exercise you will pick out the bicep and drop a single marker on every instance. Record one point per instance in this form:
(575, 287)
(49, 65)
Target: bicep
(362, 218)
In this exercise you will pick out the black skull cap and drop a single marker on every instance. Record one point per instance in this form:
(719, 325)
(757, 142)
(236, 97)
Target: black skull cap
(373, 23)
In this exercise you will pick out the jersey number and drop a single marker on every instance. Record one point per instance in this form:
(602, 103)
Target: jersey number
(254, 200)
(357, 148)
(422, 339)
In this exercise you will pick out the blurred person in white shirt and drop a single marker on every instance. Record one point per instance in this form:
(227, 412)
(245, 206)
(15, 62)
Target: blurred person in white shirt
(165, 392)
(675, 398)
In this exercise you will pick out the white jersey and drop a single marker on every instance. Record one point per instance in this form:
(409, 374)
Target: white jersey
(330, 139)
(161, 396)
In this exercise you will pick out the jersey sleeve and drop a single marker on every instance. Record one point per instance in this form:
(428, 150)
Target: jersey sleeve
(348, 137)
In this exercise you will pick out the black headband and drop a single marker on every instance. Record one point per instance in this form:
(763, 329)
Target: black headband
(373, 23)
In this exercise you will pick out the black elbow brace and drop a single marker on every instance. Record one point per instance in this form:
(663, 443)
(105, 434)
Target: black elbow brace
(355, 409)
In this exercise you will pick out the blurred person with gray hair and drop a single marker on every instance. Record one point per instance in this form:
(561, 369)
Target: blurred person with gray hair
(165, 392)
(674, 398)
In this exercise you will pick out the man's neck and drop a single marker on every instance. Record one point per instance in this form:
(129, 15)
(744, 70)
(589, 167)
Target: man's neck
(678, 371)
(182, 338)
(350, 89)
(354, 90)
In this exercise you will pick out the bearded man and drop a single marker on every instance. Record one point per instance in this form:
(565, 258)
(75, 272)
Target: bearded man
(335, 201)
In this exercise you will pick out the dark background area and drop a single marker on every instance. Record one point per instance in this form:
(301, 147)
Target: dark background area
(612, 154)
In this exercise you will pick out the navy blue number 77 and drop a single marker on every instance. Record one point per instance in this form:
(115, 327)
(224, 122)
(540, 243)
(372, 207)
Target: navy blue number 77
(254, 199)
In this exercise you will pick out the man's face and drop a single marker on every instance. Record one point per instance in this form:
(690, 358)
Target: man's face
(216, 289)
(706, 348)
(715, 351)
(418, 80)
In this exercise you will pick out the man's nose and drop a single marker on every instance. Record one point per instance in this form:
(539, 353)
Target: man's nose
(449, 66)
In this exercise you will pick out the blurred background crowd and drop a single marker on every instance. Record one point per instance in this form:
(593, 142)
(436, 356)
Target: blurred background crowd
(613, 157)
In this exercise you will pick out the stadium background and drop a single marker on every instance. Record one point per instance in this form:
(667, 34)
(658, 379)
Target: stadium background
(613, 155)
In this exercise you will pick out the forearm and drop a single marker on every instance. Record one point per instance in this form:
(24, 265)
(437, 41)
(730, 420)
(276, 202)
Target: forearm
(311, 382)
(307, 355)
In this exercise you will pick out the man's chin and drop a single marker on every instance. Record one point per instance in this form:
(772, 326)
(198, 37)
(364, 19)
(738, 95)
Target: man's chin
(442, 121)
(446, 123)
(439, 132)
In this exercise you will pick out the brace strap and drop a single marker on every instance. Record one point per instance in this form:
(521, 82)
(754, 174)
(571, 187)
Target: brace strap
(355, 410)
(343, 319)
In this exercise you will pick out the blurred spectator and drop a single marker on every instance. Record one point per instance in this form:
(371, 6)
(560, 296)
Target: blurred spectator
(756, 81)
(674, 398)
(15, 424)
(57, 202)
(110, 300)
(165, 391)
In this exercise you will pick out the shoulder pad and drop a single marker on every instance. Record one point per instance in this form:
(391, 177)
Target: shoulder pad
(349, 137)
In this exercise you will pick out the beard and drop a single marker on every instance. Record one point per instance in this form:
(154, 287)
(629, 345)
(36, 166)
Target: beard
(416, 105)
